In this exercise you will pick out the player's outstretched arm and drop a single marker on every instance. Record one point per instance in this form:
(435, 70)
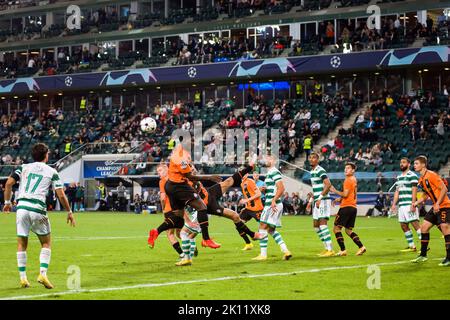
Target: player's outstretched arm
(8, 193)
(65, 203)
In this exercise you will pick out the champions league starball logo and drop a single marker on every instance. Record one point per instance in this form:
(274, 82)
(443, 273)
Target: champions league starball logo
(192, 72)
(68, 81)
(335, 62)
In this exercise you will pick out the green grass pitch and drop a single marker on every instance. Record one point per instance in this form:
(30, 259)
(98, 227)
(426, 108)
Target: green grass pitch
(115, 262)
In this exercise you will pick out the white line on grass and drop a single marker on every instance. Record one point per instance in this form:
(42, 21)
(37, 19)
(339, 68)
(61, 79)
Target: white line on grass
(165, 284)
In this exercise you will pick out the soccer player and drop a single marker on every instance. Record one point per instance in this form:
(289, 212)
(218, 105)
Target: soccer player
(346, 215)
(182, 194)
(188, 233)
(406, 196)
(253, 204)
(171, 221)
(273, 210)
(212, 195)
(35, 180)
(434, 189)
(321, 204)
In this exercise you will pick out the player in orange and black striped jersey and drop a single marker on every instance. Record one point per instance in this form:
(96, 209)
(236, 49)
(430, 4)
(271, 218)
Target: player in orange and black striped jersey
(435, 189)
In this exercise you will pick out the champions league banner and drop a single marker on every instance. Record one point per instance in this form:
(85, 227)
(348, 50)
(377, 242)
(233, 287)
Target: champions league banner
(101, 168)
(231, 70)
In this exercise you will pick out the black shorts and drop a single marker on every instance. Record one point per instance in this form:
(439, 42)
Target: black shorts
(214, 195)
(247, 215)
(443, 216)
(346, 217)
(180, 194)
(177, 221)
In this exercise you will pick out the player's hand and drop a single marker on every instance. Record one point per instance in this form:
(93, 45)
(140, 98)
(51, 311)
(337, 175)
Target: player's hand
(308, 206)
(273, 205)
(436, 208)
(70, 219)
(335, 202)
(393, 208)
(413, 208)
(318, 203)
(7, 208)
(216, 179)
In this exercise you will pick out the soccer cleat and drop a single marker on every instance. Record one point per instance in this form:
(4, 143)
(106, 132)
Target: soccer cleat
(45, 282)
(152, 235)
(361, 251)
(287, 255)
(413, 249)
(184, 262)
(248, 246)
(341, 253)
(327, 253)
(24, 283)
(445, 263)
(260, 258)
(210, 243)
(419, 259)
(322, 253)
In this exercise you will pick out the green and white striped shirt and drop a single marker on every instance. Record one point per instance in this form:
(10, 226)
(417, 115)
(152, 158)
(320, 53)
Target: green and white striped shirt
(317, 177)
(35, 181)
(272, 177)
(405, 183)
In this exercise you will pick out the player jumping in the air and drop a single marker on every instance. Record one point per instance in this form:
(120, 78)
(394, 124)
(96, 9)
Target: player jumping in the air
(35, 180)
(273, 210)
(406, 196)
(171, 223)
(321, 203)
(346, 215)
(435, 189)
(182, 194)
(253, 204)
(212, 195)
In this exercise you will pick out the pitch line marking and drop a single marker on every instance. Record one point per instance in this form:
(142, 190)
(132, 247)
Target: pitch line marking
(165, 284)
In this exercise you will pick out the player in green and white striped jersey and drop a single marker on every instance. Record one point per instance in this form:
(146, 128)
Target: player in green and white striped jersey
(35, 180)
(273, 210)
(405, 195)
(321, 203)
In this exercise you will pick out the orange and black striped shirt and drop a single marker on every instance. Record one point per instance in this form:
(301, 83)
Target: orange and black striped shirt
(430, 183)
(249, 189)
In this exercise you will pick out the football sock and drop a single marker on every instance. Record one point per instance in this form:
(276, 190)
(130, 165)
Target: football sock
(192, 249)
(185, 243)
(263, 243)
(166, 225)
(22, 264)
(242, 228)
(424, 244)
(447, 245)
(279, 240)
(326, 237)
(44, 259)
(340, 240)
(177, 247)
(356, 240)
(409, 238)
(202, 217)
(419, 233)
(319, 234)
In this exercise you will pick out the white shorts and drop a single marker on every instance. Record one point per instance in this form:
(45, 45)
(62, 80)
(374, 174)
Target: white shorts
(406, 216)
(323, 211)
(29, 220)
(193, 226)
(270, 218)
